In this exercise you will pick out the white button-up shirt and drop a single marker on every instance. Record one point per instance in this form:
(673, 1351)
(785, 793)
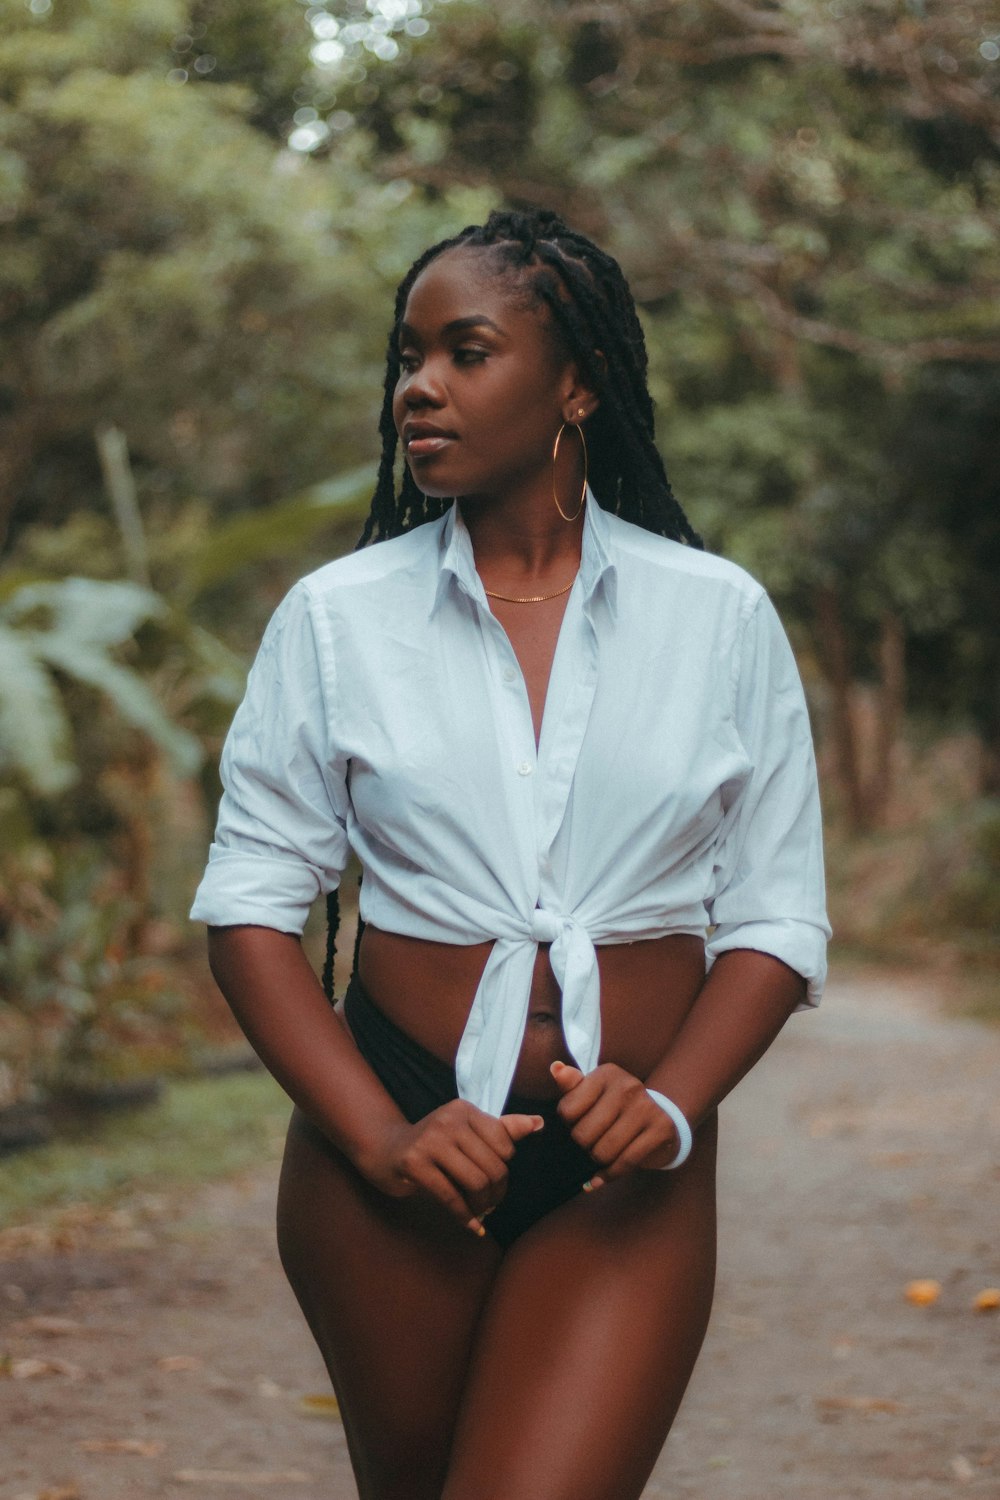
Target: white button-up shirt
(673, 788)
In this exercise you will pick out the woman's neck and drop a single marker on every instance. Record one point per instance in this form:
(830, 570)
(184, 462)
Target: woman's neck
(521, 540)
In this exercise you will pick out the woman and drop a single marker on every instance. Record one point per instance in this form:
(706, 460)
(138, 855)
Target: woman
(563, 744)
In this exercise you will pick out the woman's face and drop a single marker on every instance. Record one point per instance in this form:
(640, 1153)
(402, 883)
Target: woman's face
(482, 390)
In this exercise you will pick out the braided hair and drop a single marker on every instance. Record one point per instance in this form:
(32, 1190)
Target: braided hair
(594, 317)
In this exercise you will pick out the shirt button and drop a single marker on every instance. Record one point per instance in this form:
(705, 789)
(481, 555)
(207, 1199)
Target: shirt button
(509, 675)
(524, 768)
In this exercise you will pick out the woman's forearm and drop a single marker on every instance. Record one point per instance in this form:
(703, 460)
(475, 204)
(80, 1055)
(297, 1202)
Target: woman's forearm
(746, 999)
(278, 1001)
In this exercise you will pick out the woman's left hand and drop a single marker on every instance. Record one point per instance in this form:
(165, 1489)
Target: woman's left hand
(611, 1116)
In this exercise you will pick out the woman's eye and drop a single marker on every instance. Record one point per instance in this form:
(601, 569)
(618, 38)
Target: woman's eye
(470, 356)
(408, 362)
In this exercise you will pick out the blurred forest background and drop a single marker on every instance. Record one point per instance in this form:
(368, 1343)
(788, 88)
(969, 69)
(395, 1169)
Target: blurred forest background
(204, 208)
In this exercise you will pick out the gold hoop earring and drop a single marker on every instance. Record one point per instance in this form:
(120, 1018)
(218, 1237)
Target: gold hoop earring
(583, 491)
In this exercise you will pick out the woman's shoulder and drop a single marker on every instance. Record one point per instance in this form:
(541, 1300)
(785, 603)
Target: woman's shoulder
(409, 556)
(641, 549)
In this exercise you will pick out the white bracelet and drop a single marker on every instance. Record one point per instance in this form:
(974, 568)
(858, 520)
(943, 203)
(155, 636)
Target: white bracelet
(685, 1139)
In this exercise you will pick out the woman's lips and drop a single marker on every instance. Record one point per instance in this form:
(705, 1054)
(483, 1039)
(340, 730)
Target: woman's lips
(423, 447)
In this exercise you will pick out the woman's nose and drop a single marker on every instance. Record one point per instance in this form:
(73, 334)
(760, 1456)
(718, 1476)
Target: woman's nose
(423, 388)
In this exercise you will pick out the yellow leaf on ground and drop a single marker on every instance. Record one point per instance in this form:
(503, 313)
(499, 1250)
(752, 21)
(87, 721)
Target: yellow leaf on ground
(988, 1300)
(320, 1406)
(51, 1327)
(859, 1403)
(242, 1476)
(173, 1362)
(922, 1292)
(31, 1369)
(61, 1492)
(143, 1447)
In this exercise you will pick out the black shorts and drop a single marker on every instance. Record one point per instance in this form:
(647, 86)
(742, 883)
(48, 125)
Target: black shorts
(547, 1168)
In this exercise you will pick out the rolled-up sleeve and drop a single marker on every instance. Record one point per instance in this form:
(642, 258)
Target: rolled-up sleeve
(768, 887)
(281, 835)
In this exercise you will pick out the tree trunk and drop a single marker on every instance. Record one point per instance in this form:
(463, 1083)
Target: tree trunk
(891, 699)
(836, 665)
(119, 483)
(989, 767)
(19, 436)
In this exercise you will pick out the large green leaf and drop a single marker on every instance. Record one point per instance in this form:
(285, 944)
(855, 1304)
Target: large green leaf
(34, 730)
(129, 694)
(281, 529)
(100, 613)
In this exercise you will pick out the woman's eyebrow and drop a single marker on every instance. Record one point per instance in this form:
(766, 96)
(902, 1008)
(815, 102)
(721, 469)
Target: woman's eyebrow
(477, 320)
(458, 325)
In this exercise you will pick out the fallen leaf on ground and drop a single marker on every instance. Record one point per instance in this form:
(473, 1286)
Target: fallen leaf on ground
(962, 1469)
(923, 1292)
(31, 1369)
(23, 1237)
(51, 1327)
(61, 1492)
(859, 1403)
(988, 1300)
(173, 1362)
(320, 1406)
(242, 1476)
(143, 1447)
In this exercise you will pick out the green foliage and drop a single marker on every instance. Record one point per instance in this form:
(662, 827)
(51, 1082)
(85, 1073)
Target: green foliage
(258, 46)
(34, 733)
(62, 921)
(94, 678)
(972, 899)
(72, 628)
(234, 545)
(165, 269)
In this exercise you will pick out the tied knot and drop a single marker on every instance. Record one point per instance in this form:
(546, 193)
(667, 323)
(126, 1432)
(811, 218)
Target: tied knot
(545, 926)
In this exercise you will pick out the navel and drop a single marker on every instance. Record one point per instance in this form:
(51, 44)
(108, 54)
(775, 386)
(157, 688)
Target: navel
(542, 1018)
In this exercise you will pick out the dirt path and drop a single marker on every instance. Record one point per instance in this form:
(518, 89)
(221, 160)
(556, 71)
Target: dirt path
(861, 1154)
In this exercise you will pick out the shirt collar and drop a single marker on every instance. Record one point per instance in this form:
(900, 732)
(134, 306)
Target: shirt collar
(458, 564)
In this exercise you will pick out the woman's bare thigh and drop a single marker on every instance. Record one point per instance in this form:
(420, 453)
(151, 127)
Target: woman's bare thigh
(588, 1340)
(392, 1291)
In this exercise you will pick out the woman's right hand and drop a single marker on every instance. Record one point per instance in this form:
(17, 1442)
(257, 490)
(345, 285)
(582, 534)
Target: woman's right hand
(456, 1155)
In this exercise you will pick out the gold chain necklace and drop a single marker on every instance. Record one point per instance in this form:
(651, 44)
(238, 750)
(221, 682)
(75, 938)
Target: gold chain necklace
(532, 598)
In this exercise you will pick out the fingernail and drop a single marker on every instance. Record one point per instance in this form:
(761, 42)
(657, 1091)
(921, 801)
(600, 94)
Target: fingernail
(476, 1227)
(588, 1187)
(556, 1065)
(539, 1123)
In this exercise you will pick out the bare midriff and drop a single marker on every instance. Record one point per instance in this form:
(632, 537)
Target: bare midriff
(647, 989)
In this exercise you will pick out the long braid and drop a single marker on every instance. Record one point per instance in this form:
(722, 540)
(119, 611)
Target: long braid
(332, 923)
(594, 312)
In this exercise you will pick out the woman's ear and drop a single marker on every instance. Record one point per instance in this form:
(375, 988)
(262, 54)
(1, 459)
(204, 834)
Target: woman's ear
(581, 400)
